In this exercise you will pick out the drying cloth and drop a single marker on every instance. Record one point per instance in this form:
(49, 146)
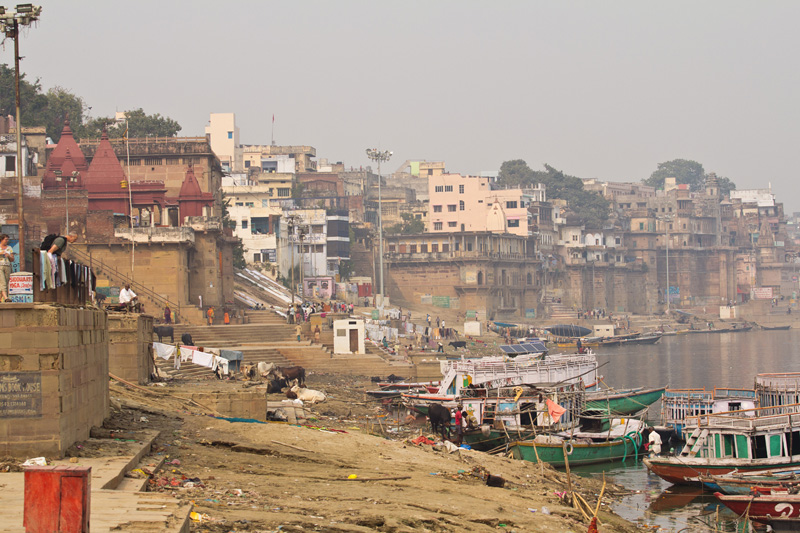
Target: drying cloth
(554, 410)
(164, 351)
(53, 270)
(212, 351)
(186, 353)
(203, 359)
(62, 270)
(220, 362)
(44, 270)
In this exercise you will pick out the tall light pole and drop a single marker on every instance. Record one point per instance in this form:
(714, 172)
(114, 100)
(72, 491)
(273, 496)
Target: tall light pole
(378, 156)
(25, 15)
(67, 180)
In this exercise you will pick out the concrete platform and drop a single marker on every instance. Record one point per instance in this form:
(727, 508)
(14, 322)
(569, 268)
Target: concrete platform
(111, 510)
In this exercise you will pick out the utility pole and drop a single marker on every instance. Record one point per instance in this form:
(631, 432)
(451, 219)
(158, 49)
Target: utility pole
(25, 15)
(377, 155)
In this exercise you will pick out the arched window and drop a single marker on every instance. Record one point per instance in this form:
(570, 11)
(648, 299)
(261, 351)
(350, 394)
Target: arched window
(480, 278)
(530, 279)
(461, 205)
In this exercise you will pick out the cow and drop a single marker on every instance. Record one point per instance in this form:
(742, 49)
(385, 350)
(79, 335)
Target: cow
(394, 379)
(458, 344)
(186, 339)
(290, 373)
(308, 395)
(276, 385)
(164, 331)
(439, 415)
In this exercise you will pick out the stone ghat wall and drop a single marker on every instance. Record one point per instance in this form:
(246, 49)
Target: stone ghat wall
(53, 377)
(130, 349)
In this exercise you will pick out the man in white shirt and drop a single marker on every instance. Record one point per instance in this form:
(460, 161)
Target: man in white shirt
(128, 298)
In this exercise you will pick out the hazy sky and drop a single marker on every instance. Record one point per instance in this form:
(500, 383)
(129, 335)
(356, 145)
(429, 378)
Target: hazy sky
(597, 89)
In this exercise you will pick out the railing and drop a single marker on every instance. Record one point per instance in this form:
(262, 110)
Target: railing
(119, 277)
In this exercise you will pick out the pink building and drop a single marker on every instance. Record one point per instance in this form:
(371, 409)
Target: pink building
(468, 203)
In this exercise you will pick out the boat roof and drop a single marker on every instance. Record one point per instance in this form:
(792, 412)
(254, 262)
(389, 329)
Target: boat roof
(524, 348)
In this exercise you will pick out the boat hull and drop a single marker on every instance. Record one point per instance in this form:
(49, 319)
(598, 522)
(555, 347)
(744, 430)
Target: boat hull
(582, 454)
(764, 508)
(679, 471)
(624, 404)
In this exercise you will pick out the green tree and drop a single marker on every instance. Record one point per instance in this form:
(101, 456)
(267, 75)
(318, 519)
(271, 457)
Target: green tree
(32, 101)
(61, 104)
(590, 206)
(726, 186)
(685, 171)
(409, 226)
(345, 269)
(139, 124)
(515, 173)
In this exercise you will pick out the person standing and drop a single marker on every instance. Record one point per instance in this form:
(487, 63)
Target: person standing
(6, 258)
(167, 315)
(226, 317)
(210, 315)
(459, 426)
(317, 333)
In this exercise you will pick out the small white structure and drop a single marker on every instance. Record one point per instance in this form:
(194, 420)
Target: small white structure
(472, 328)
(603, 330)
(728, 312)
(348, 337)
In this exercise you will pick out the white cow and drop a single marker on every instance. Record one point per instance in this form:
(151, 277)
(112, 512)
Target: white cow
(308, 395)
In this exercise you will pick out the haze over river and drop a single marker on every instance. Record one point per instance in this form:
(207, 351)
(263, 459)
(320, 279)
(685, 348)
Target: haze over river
(686, 361)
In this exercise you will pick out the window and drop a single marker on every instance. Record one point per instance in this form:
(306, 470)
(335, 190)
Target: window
(152, 161)
(574, 238)
(437, 226)
(435, 247)
(448, 188)
(460, 189)
(423, 248)
(641, 225)
(437, 209)
(452, 224)
(511, 205)
(413, 248)
(618, 240)
(256, 258)
(513, 223)
(247, 164)
(461, 205)
(244, 224)
(11, 163)
(249, 204)
(239, 204)
(230, 135)
(284, 192)
(451, 208)
(439, 188)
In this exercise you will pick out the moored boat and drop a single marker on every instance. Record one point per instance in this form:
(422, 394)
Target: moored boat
(679, 404)
(750, 440)
(622, 441)
(781, 511)
(743, 482)
(622, 402)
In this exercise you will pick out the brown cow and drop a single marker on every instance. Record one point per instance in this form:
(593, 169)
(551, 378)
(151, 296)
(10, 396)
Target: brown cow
(291, 372)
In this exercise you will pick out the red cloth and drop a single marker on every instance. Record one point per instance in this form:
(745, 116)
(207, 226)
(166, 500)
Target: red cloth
(554, 410)
(423, 440)
(593, 526)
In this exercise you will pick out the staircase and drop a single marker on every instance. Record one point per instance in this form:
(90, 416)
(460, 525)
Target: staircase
(267, 337)
(695, 441)
(147, 296)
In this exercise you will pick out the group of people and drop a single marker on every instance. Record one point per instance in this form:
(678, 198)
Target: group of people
(463, 420)
(210, 315)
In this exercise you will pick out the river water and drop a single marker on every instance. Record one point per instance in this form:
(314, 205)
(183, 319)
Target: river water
(685, 361)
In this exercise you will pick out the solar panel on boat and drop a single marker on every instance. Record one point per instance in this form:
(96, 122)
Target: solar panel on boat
(507, 349)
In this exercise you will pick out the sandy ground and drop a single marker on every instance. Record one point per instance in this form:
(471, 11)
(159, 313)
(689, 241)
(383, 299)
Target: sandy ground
(279, 477)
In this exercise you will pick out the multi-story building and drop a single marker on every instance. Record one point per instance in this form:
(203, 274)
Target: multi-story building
(223, 134)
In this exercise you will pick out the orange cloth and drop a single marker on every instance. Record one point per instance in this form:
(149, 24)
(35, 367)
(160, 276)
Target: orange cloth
(593, 526)
(227, 318)
(554, 410)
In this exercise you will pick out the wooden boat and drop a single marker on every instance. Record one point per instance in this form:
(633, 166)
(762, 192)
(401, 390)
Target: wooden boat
(744, 482)
(568, 330)
(622, 402)
(650, 338)
(777, 328)
(719, 443)
(781, 510)
(621, 442)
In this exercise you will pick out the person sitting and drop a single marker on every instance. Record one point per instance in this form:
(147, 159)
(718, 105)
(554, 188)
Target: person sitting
(128, 300)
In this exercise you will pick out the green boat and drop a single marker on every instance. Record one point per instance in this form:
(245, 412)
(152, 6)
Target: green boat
(582, 450)
(623, 402)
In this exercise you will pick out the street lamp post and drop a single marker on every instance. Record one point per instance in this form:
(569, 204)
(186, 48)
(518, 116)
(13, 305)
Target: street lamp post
(10, 22)
(378, 156)
(67, 180)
